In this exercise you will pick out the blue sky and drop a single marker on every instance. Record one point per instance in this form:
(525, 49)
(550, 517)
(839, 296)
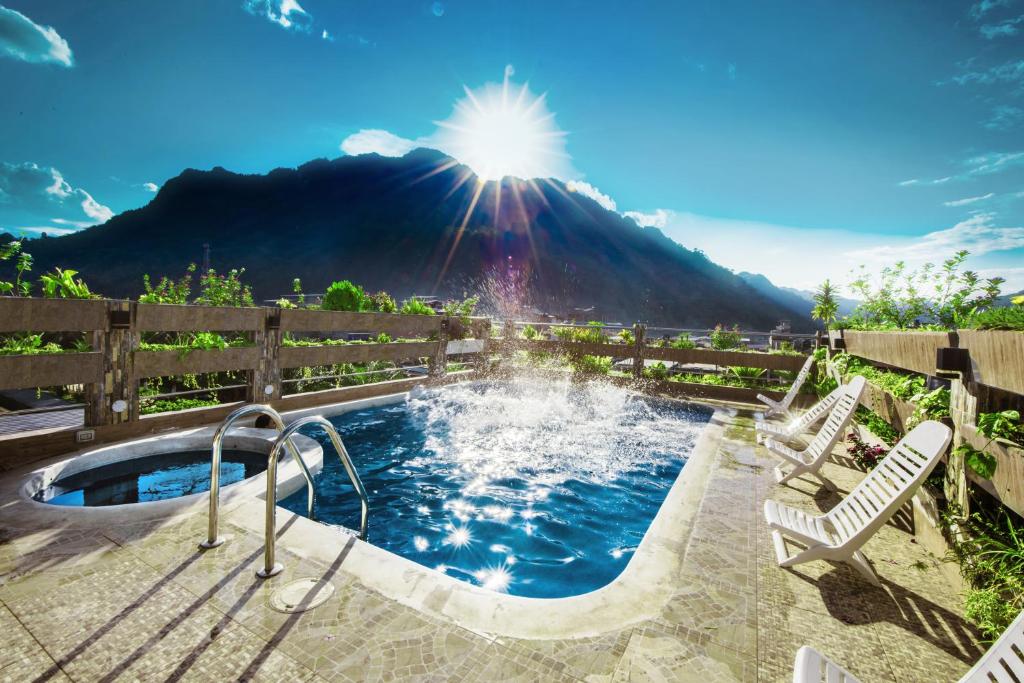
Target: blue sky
(791, 138)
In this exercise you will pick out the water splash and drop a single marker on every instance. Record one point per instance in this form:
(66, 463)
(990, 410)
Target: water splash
(544, 432)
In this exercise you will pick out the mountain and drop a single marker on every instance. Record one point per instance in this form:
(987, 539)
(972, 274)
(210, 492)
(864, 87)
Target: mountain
(800, 300)
(418, 224)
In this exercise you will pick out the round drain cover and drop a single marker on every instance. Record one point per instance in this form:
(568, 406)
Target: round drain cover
(301, 595)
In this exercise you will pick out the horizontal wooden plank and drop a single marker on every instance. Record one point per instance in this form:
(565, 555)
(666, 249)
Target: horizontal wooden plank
(52, 369)
(312, 399)
(168, 363)
(23, 314)
(172, 318)
(768, 361)
(1007, 482)
(909, 350)
(302, 320)
(695, 390)
(997, 357)
(304, 356)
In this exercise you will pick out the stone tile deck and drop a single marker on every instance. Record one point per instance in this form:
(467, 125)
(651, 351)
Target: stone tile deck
(139, 602)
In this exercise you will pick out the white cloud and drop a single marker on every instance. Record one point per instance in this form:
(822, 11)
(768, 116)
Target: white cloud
(1004, 117)
(588, 190)
(327, 36)
(1003, 28)
(1009, 72)
(376, 141)
(969, 200)
(150, 187)
(978, 234)
(29, 193)
(994, 162)
(658, 219)
(287, 14)
(918, 181)
(980, 9)
(21, 38)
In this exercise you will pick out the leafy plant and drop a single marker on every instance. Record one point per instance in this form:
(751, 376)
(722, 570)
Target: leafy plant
(932, 405)
(224, 290)
(62, 284)
(382, 301)
(591, 365)
(658, 371)
(981, 462)
(22, 265)
(1004, 318)
(168, 291)
(150, 407)
(344, 296)
(530, 332)
(990, 551)
(416, 307)
(943, 298)
(875, 424)
(626, 337)
(593, 333)
(747, 373)
(1002, 425)
(723, 339)
(825, 304)
(683, 341)
(28, 345)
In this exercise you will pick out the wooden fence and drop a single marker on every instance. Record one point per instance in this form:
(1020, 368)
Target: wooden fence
(112, 370)
(985, 370)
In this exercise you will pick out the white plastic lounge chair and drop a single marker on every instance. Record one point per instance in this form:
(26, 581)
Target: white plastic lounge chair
(813, 667)
(798, 425)
(810, 459)
(1002, 662)
(782, 407)
(839, 534)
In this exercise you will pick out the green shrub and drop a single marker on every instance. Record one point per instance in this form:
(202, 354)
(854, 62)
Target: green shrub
(168, 291)
(1005, 318)
(382, 302)
(416, 307)
(344, 296)
(224, 290)
(174, 404)
(683, 341)
(27, 344)
(530, 332)
(723, 339)
(658, 371)
(593, 333)
(591, 365)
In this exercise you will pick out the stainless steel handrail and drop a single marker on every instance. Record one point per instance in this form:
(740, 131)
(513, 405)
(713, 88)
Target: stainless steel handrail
(270, 566)
(213, 538)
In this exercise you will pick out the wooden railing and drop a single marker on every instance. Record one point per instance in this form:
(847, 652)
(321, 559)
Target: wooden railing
(985, 371)
(112, 370)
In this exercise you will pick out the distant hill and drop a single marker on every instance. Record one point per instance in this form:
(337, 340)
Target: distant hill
(400, 224)
(801, 300)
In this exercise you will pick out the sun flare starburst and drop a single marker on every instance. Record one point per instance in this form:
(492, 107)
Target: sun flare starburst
(505, 130)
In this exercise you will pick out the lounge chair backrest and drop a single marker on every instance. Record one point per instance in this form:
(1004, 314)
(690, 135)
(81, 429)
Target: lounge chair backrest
(835, 424)
(891, 484)
(817, 410)
(1003, 661)
(798, 382)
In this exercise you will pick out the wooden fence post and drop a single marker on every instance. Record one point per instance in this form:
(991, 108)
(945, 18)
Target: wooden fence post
(267, 374)
(638, 350)
(483, 359)
(438, 365)
(117, 344)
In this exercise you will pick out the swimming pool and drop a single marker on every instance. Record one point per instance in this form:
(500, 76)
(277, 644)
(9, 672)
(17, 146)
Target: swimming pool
(535, 488)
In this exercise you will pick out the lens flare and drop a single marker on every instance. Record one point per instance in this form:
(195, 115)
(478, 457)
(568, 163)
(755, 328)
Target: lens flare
(505, 130)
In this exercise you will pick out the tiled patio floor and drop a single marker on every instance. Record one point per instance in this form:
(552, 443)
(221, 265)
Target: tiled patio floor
(139, 602)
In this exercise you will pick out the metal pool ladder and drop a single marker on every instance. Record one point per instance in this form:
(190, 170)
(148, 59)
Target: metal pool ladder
(270, 567)
(213, 538)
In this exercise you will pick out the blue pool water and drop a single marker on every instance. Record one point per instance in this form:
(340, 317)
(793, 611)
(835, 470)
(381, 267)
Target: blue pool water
(540, 489)
(153, 477)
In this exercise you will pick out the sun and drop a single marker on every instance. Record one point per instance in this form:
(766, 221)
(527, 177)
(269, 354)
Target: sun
(505, 130)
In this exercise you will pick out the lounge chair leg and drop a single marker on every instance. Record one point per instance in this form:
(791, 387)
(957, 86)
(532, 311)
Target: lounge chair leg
(861, 564)
(780, 474)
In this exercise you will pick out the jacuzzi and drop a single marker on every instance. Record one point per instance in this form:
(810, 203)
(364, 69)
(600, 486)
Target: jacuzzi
(166, 474)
